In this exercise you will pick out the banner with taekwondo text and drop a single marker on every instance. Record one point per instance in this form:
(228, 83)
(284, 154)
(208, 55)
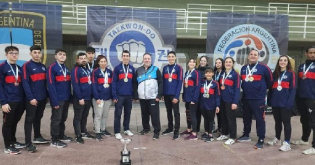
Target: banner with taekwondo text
(235, 34)
(30, 24)
(110, 30)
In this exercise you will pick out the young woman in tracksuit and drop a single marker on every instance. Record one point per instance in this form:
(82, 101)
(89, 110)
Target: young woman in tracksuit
(209, 102)
(218, 72)
(281, 98)
(102, 95)
(230, 94)
(191, 98)
(203, 65)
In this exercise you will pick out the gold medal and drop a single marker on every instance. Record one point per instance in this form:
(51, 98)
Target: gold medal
(222, 87)
(251, 79)
(126, 79)
(169, 79)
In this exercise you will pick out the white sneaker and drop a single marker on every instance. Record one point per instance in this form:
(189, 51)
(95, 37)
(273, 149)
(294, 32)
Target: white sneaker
(222, 137)
(300, 142)
(118, 136)
(229, 142)
(129, 133)
(274, 142)
(285, 146)
(309, 151)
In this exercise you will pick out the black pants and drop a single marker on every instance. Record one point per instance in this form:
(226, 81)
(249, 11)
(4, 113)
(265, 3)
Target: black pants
(208, 117)
(198, 116)
(33, 118)
(306, 108)
(282, 116)
(126, 103)
(10, 121)
(81, 113)
(170, 108)
(228, 119)
(191, 117)
(58, 119)
(150, 108)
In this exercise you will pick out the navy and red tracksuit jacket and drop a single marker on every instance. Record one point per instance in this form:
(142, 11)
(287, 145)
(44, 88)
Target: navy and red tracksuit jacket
(285, 97)
(191, 93)
(98, 81)
(214, 96)
(8, 91)
(257, 89)
(174, 87)
(119, 87)
(34, 80)
(231, 93)
(306, 87)
(59, 87)
(80, 83)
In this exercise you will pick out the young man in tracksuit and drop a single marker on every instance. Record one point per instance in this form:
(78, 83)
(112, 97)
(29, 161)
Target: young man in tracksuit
(81, 81)
(11, 98)
(59, 89)
(122, 90)
(34, 84)
(256, 79)
(306, 99)
(172, 85)
(149, 88)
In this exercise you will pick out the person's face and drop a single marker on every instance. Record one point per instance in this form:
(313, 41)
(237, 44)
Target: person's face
(283, 62)
(203, 62)
(36, 55)
(228, 64)
(12, 55)
(82, 60)
(191, 64)
(90, 56)
(125, 58)
(253, 56)
(310, 54)
(171, 58)
(147, 60)
(102, 63)
(61, 56)
(209, 75)
(218, 64)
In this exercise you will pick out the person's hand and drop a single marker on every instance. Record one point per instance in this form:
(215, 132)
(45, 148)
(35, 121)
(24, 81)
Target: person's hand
(234, 106)
(157, 99)
(98, 101)
(115, 100)
(175, 101)
(192, 103)
(217, 110)
(33, 102)
(134, 100)
(56, 107)
(6, 108)
(81, 102)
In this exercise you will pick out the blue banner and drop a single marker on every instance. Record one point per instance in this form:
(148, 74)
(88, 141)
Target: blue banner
(111, 30)
(31, 24)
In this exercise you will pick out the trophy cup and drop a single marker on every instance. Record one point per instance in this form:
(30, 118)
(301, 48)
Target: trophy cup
(125, 154)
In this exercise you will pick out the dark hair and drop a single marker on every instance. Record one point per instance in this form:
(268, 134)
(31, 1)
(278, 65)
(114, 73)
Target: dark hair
(308, 48)
(193, 60)
(59, 50)
(125, 51)
(147, 54)
(98, 59)
(254, 50)
(90, 49)
(171, 52)
(10, 48)
(81, 54)
(222, 61)
(35, 47)
(209, 69)
(276, 72)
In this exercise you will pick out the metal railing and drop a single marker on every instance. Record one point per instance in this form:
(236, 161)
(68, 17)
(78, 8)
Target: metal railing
(67, 3)
(294, 8)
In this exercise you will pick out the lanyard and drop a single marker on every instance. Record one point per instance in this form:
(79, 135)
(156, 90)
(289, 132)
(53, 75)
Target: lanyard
(308, 68)
(16, 72)
(88, 64)
(63, 71)
(188, 75)
(206, 87)
(87, 74)
(280, 79)
(105, 76)
(126, 72)
(225, 77)
(217, 75)
(168, 71)
(250, 70)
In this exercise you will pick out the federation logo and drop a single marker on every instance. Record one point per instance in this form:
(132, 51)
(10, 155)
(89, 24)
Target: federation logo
(28, 28)
(238, 41)
(137, 37)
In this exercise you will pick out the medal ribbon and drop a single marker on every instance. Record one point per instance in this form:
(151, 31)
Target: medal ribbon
(168, 71)
(63, 71)
(225, 77)
(217, 76)
(308, 68)
(206, 87)
(126, 72)
(16, 72)
(280, 79)
(105, 76)
(188, 75)
(249, 72)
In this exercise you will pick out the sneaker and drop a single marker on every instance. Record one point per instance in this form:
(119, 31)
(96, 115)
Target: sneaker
(285, 146)
(79, 139)
(129, 133)
(274, 142)
(309, 151)
(58, 144)
(66, 139)
(204, 136)
(143, 132)
(40, 140)
(300, 142)
(31, 148)
(244, 138)
(214, 130)
(185, 133)
(229, 142)
(167, 131)
(156, 136)
(19, 145)
(191, 137)
(106, 133)
(118, 136)
(99, 137)
(176, 136)
(87, 135)
(209, 139)
(259, 144)
(222, 137)
(12, 150)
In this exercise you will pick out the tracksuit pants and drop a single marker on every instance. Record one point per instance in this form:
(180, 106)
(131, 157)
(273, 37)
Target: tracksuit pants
(34, 114)
(228, 119)
(10, 121)
(126, 103)
(101, 115)
(208, 116)
(198, 116)
(170, 108)
(256, 107)
(150, 108)
(306, 108)
(81, 113)
(191, 117)
(282, 116)
(58, 119)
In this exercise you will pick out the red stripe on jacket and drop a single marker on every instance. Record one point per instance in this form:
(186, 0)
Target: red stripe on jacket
(256, 77)
(122, 76)
(174, 76)
(62, 78)
(102, 81)
(228, 82)
(211, 91)
(38, 76)
(50, 79)
(24, 69)
(310, 75)
(11, 79)
(283, 84)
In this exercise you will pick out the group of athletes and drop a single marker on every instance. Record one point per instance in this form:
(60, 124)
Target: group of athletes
(206, 92)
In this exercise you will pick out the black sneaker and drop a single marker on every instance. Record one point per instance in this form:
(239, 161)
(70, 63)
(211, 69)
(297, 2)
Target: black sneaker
(156, 136)
(66, 139)
(143, 132)
(209, 139)
(87, 135)
(58, 144)
(259, 144)
(106, 133)
(167, 131)
(12, 150)
(99, 137)
(19, 145)
(79, 139)
(40, 140)
(176, 136)
(204, 136)
(31, 148)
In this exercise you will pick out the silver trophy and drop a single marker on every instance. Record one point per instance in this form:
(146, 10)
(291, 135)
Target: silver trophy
(125, 154)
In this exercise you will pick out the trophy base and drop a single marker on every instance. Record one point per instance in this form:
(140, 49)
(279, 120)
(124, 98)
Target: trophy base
(127, 155)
